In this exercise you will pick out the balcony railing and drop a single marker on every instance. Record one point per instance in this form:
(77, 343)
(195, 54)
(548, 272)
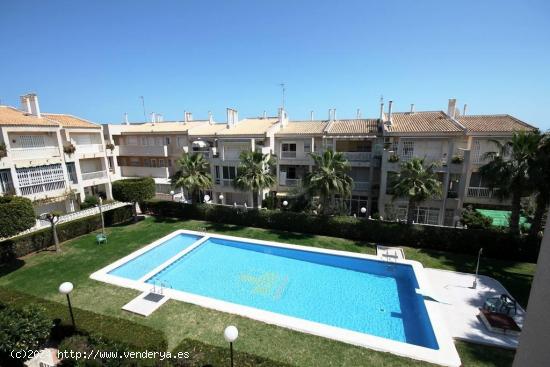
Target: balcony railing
(137, 171)
(360, 186)
(291, 182)
(33, 153)
(94, 175)
(480, 192)
(358, 156)
(144, 150)
(288, 154)
(232, 154)
(43, 187)
(227, 182)
(89, 148)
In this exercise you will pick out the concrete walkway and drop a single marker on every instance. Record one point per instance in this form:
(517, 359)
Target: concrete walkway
(460, 306)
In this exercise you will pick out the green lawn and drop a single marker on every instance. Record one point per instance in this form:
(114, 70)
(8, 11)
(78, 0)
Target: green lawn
(40, 274)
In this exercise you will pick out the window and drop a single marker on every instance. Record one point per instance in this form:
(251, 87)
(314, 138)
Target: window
(144, 140)
(154, 163)
(131, 140)
(146, 162)
(288, 150)
(158, 140)
(408, 150)
(229, 172)
(166, 140)
(217, 174)
(161, 163)
(307, 146)
(181, 141)
(134, 162)
(290, 172)
(476, 151)
(32, 141)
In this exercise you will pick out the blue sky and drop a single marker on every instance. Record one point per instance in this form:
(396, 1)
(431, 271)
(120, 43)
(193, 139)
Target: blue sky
(95, 58)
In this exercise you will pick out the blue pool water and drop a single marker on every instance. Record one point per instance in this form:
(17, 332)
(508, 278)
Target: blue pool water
(141, 265)
(367, 296)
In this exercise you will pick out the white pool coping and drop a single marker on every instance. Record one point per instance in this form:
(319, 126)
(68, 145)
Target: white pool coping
(446, 355)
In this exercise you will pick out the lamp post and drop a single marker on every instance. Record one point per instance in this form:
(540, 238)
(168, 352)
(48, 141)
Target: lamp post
(285, 204)
(363, 210)
(206, 198)
(220, 198)
(66, 288)
(100, 206)
(172, 193)
(231, 334)
(474, 286)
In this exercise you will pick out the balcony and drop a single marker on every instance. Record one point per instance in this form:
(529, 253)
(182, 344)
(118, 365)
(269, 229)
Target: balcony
(226, 182)
(232, 154)
(360, 186)
(156, 172)
(290, 182)
(358, 156)
(288, 154)
(480, 192)
(98, 175)
(46, 187)
(89, 148)
(144, 150)
(33, 153)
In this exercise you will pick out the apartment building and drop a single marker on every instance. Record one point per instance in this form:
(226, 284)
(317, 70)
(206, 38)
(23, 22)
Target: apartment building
(53, 159)
(457, 143)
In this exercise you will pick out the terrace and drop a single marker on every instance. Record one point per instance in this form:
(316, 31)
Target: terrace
(178, 320)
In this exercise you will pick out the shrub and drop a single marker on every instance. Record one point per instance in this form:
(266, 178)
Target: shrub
(3, 150)
(110, 146)
(496, 244)
(201, 354)
(393, 158)
(25, 328)
(134, 190)
(457, 159)
(35, 241)
(16, 215)
(99, 327)
(475, 220)
(89, 201)
(69, 149)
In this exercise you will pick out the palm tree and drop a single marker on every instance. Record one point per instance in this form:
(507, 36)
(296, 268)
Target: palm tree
(507, 173)
(192, 174)
(539, 173)
(255, 173)
(417, 182)
(328, 178)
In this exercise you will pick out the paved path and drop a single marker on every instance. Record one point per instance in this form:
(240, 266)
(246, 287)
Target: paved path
(462, 305)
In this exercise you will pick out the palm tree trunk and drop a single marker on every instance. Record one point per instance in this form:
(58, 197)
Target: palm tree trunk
(539, 214)
(514, 215)
(410, 212)
(255, 195)
(55, 238)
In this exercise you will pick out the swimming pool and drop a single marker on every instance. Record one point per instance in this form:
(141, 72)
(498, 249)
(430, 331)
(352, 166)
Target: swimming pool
(345, 296)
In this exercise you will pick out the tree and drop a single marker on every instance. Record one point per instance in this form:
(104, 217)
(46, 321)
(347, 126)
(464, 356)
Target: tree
(328, 177)
(507, 172)
(134, 190)
(417, 182)
(23, 329)
(475, 220)
(16, 215)
(255, 173)
(53, 218)
(539, 174)
(192, 175)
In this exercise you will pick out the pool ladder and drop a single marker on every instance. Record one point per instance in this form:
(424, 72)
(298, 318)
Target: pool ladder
(391, 260)
(161, 286)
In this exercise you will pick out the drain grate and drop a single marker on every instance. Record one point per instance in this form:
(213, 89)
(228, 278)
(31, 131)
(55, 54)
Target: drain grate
(153, 297)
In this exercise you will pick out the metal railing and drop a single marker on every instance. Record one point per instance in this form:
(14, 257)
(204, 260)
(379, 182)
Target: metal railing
(40, 224)
(358, 156)
(43, 187)
(89, 148)
(33, 153)
(292, 182)
(94, 175)
(288, 154)
(360, 185)
(480, 192)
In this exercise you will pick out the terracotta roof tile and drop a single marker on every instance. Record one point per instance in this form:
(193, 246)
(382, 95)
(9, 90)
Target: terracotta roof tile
(162, 127)
(493, 123)
(249, 126)
(316, 127)
(10, 116)
(68, 121)
(353, 127)
(423, 123)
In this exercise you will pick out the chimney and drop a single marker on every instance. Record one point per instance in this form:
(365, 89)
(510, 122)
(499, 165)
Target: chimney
(283, 117)
(126, 118)
(159, 117)
(329, 114)
(412, 107)
(29, 104)
(451, 108)
(153, 117)
(464, 110)
(381, 111)
(358, 113)
(210, 118)
(311, 115)
(188, 116)
(232, 117)
(333, 114)
(265, 114)
(390, 105)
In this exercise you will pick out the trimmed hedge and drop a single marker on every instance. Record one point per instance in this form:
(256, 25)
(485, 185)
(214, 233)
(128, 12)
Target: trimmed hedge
(134, 336)
(201, 354)
(35, 241)
(16, 215)
(497, 244)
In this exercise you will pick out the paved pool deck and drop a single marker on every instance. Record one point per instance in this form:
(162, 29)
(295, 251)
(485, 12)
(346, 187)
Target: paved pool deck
(460, 305)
